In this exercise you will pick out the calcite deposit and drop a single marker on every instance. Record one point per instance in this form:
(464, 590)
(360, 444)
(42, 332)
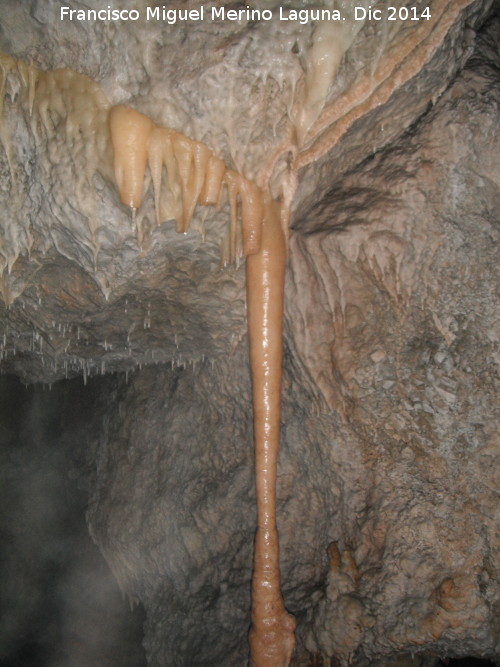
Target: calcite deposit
(388, 483)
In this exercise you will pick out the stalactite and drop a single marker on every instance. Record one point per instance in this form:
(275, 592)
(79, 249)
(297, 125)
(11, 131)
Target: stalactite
(272, 632)
(201, 175)
(65, 99)
(130, 132)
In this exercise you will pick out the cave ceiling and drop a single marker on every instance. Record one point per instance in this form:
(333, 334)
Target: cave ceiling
(87, 288)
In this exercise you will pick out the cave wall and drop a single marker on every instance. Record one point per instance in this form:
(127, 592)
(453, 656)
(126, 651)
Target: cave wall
(401, 254)
(388, 501)
(388, 484)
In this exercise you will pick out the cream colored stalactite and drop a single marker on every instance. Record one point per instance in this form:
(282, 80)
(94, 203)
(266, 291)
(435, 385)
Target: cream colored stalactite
(7, 65)
(28, 77)
(193, 174)
(201, 177)
(211, 192)
(192, 159)
(245, 199)
(130, 133)
(60, 104)
(271, 636)
(168, 195)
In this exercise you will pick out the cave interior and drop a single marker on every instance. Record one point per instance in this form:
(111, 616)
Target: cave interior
(127, 472)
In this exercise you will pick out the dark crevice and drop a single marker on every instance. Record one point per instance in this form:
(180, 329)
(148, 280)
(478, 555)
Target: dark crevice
(59, 603)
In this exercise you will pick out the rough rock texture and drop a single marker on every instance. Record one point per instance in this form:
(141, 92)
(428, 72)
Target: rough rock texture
(400, 255)
(388, 484)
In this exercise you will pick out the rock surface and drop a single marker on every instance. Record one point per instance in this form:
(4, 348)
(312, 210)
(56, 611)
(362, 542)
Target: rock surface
(388, 484)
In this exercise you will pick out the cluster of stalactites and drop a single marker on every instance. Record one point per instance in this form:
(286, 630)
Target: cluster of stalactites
(73, 109)
(60, 101)
(184, 173)
(66, 113)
